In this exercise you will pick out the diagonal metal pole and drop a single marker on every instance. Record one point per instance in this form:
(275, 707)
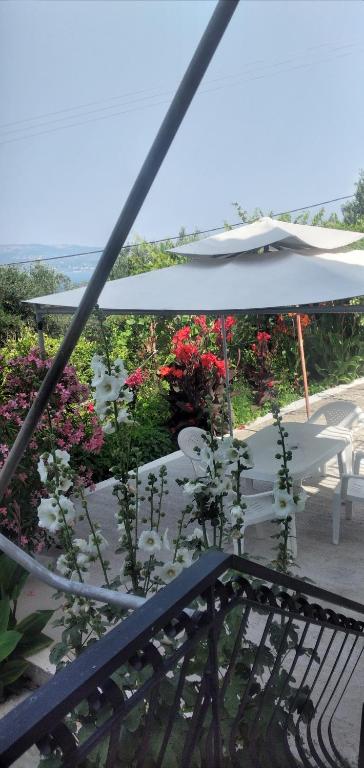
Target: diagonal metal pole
(173, 119)
(303, 364)
(227, 376)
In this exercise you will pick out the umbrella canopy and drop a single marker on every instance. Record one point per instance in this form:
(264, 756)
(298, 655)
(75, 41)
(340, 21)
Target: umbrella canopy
(267, 231)
(277, 279)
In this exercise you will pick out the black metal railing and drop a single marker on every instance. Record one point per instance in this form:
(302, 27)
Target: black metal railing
(232, 664)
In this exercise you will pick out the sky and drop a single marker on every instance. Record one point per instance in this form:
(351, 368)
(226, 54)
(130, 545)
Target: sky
(278, 122)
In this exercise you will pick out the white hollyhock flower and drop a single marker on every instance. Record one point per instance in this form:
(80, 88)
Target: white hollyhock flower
(127, 395)
(220, 486)
(108, 428)
(42, 470)
(166, 544)
(150, 541)
(68, 509)
(108, 389)
(101, 408)
(81, 544)
(123, 416)
(48, 515)
(99, 369)
(246, 456)
(300, 500)
(191, 487)
(283, 504)
(184, 556)
(64, 483)
(121, 529)
(101, 541)
(79, 607)
(75, 576)
(169, 571)
(205, 457)
(62, 565)
(120, 370)
(197, 533)
(62, 457)
(236, 514)
(97, 362)
(82, 559)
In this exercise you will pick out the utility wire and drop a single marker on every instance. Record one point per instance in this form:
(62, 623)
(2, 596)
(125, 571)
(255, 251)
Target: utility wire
(332, 48)
(306, 64)
(174, 237)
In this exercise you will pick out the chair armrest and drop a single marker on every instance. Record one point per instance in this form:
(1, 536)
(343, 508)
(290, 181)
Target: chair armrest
(357, 459)
(252, 496)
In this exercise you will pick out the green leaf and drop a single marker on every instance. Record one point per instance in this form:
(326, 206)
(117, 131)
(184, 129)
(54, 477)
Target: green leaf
(51, 762)
(12, 670)
(58, 652)
(134, 717)
(12, 577)
(4, 614)
(34, 623)
(29, 646)
(8, 641)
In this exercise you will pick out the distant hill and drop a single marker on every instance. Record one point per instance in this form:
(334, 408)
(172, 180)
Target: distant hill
(78, 269)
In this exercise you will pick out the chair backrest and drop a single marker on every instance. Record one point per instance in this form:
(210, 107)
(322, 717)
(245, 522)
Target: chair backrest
(189, 439)
(341, 413)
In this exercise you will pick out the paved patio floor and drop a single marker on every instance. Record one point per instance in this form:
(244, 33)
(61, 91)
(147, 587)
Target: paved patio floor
(337, 568)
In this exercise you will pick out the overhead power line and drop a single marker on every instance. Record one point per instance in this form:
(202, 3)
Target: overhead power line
(256, 63)
(173, 237)
(230, 80)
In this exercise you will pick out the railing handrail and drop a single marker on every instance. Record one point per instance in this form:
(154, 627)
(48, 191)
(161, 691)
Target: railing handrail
(34, 718)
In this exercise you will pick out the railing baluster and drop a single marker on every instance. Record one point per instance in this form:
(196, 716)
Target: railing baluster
(282, 704)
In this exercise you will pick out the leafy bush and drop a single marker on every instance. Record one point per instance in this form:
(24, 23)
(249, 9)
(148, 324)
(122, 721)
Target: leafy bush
(18, 639)
(334, 356)
(67, 422)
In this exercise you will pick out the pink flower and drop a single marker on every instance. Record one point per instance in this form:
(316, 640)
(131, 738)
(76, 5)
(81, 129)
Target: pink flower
(136, 379)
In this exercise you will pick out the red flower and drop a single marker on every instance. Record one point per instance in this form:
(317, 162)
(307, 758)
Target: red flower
(185, 352)
(220, 366)
(263, 336)
(305, 321)
(177, 372)
(90, 407)
(201, 321)
(164, 370)
(181, 335)
(208, 360)
(229, 322)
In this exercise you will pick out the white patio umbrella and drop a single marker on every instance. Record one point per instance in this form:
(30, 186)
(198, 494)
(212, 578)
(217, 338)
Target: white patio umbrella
(235, 281)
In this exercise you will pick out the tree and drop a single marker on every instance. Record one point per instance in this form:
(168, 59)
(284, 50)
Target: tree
(353, 211)
(18, 284)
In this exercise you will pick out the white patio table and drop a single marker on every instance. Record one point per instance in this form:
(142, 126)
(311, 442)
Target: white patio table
(312, 445)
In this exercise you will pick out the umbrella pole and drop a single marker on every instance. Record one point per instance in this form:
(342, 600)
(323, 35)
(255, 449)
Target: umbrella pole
(39, 322)
(303, 363)
(227, 378)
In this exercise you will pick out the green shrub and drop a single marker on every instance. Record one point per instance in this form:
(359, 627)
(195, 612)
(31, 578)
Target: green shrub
(18, 639)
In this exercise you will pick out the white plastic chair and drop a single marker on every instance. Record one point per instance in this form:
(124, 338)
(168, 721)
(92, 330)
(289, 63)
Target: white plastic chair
(189, 439)
(340, 413)
(349, 489)
(259, 509)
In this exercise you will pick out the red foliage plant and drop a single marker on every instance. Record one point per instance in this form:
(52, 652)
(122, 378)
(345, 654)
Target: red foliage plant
(195, 372)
